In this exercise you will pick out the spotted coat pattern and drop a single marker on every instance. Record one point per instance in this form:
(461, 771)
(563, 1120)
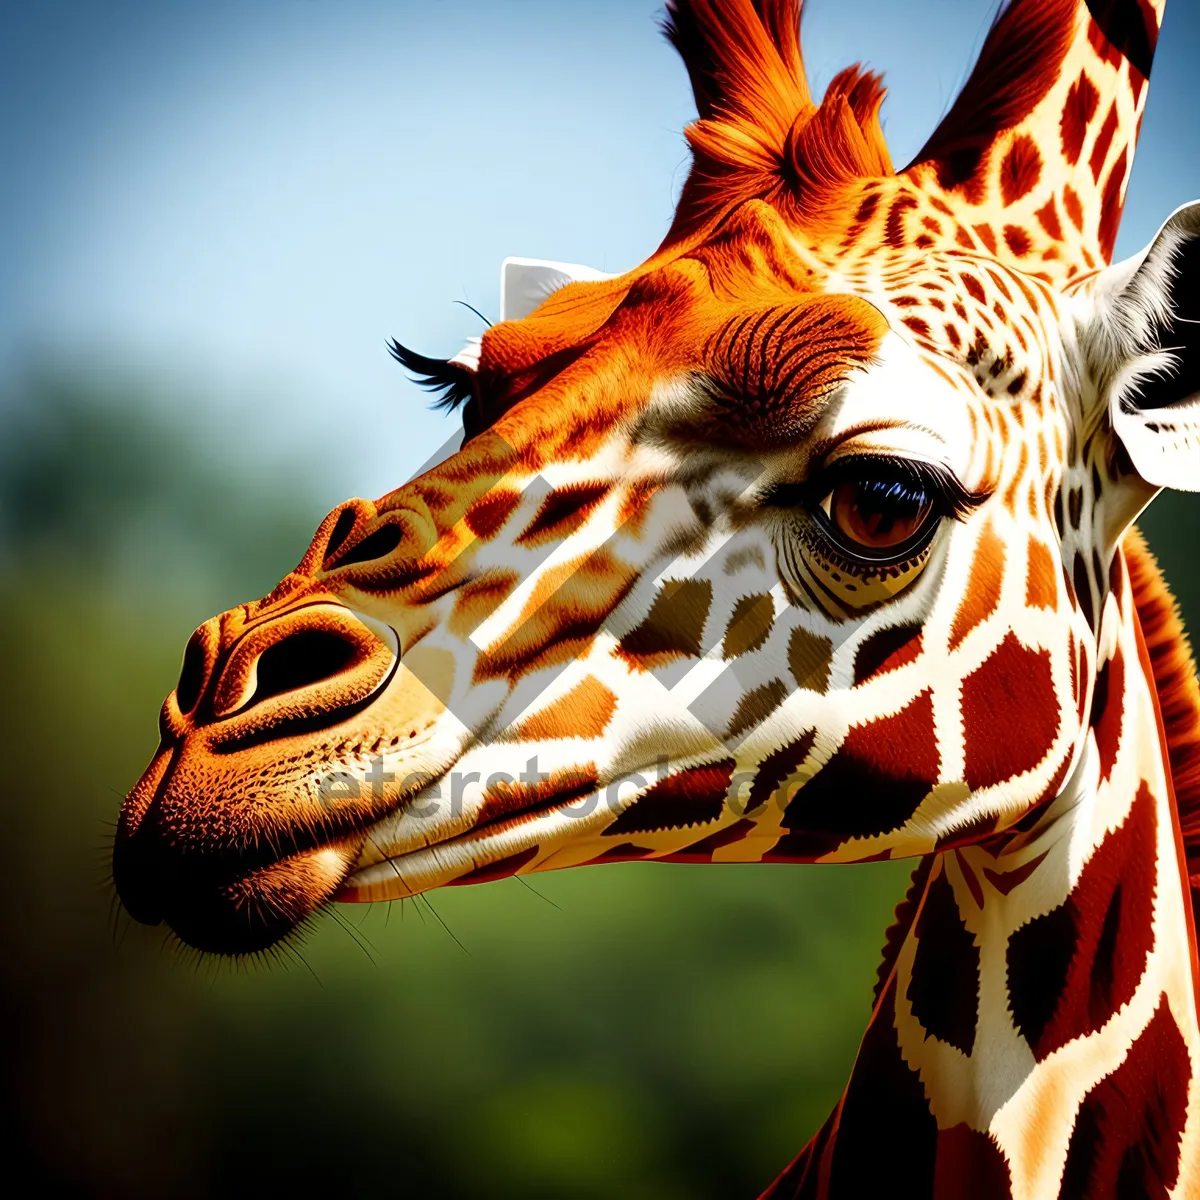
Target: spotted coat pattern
(615, 624)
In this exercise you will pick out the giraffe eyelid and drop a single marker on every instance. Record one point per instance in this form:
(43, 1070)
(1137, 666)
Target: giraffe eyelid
(905, 439)
(951, 497)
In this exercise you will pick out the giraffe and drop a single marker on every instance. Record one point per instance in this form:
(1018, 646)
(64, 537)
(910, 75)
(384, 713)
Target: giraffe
(811, 539)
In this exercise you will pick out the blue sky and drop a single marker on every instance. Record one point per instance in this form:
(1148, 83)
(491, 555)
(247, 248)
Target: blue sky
(246, 200)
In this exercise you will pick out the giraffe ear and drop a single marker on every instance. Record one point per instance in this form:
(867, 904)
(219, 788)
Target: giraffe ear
(526, 282)
(1145, 352)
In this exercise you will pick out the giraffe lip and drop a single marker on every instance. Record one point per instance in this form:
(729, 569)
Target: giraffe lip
(482, 828)
(351, 890)
(509, 834)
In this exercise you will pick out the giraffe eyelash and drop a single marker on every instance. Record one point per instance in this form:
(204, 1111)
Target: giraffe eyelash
(951, 498)
(453, 383)
(827, 547)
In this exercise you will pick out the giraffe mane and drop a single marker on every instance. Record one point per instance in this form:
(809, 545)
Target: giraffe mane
(902, 918)
(1178, 691)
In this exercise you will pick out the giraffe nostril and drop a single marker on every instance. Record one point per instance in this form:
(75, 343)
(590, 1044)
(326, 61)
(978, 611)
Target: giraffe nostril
(191, 674)
(341, 531)
(306, 657)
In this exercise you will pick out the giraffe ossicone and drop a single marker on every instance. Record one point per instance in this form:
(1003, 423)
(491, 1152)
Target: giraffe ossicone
(808, 540)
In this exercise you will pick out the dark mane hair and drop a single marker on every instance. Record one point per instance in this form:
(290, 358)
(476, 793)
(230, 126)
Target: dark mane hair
(1178, 694)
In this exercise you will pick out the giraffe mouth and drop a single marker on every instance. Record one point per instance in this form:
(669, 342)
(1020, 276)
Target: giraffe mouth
(228, 908)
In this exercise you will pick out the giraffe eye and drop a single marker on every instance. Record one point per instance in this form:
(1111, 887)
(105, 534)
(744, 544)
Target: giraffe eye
(879, 513)
(863, 529)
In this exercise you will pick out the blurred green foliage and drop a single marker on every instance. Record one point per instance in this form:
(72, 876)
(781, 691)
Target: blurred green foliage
(632, 1030)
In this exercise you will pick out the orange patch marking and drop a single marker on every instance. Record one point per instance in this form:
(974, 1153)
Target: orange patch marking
(1073, 206)
(1112, 206)
(987, 237)
(584, 712)
(489, 516)
(562, 512)
(511, 799)
(1103, 143)
(562, 616)
(1080, 108)
(1011, 714)
(1010, 493)
(1041, 580)
(749, 626)
(974, 287)
(673, 627)
(983, 586)
(1020, 170)
(1017, 240)
(706, 847)
(998, 280)
(1047, 217)
(810, 659)
(635, 503)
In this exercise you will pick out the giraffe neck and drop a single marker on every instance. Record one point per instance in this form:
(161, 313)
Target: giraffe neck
(1037, 1033)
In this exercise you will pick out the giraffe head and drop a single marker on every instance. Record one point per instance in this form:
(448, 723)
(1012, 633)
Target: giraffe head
(787, 545)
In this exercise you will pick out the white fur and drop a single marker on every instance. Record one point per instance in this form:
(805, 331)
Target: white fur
(1121, 311)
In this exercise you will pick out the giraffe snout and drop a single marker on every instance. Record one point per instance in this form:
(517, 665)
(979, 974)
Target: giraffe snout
(231, 837)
